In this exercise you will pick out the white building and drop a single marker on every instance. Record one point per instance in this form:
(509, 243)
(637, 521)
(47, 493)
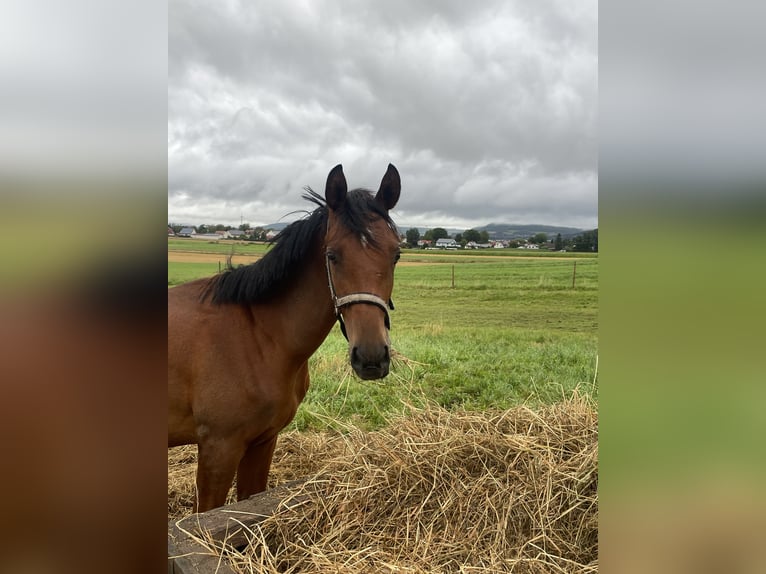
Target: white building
(447, 243)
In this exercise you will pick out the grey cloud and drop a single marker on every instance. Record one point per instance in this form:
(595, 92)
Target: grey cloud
(266, 99)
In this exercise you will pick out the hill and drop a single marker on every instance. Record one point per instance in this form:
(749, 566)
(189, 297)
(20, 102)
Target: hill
(516, 231)
(508, 231)
(505, 231)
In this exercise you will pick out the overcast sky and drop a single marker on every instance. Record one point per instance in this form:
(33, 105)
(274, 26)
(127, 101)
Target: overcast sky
(488, 109)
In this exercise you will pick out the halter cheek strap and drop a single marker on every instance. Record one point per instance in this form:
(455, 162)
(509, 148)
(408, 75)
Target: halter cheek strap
(353, 298)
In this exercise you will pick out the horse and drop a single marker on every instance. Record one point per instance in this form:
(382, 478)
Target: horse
(239, 342)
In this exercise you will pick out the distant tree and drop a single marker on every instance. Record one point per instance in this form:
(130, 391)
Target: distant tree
(558, 245)
(472, 235)
(587, 241)
(541, 238)
(429, 235)
(219, 227)
(439, 233)
(459, 238)
(483, 236)
(244, 226)
(202, 229)
(413, 235)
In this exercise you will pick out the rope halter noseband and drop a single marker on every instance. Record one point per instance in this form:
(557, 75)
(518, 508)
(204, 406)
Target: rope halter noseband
(353, 298)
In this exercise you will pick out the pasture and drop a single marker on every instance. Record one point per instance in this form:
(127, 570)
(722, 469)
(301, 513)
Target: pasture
(478, 451)
(511, 331)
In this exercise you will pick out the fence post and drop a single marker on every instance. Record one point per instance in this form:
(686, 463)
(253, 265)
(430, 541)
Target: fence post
(574, 273)
(453, 275)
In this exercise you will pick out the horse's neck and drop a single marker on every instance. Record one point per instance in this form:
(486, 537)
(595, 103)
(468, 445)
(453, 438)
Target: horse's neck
(306, 314)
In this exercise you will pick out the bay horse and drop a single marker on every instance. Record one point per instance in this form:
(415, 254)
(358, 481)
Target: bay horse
(239, 342)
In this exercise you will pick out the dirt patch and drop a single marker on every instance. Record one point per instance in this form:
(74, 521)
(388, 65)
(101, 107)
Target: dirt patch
(199, 257)
(196, 257)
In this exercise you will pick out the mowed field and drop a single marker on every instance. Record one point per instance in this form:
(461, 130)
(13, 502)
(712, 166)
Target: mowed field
(512, 330)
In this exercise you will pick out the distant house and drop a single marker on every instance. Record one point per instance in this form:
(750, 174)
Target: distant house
(223, 234)
(271, 234)
(171, 233)
(187, 232)
(236, 233)
(424, 242)
(447, 243)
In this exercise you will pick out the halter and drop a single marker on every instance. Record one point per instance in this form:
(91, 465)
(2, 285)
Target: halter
(353, 298)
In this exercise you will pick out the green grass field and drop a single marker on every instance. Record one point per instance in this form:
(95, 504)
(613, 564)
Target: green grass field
(510, 331)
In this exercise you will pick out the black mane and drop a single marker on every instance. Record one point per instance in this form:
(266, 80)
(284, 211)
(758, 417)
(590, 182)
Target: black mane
(267, 277)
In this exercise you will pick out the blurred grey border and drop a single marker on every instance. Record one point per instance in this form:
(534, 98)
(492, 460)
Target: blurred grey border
(83, 164)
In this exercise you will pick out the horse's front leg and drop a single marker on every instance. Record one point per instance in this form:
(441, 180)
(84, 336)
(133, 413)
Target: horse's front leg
(216, 464)
(253, 472)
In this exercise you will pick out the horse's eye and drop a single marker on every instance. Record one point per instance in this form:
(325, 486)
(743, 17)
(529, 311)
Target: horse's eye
(331, 256)
(397, 257)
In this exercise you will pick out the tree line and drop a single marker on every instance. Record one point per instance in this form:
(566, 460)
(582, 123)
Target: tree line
(254, 233)
(585, 242)
(413, 236)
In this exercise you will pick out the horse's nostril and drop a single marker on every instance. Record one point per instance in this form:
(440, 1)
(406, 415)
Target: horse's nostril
(370, 363)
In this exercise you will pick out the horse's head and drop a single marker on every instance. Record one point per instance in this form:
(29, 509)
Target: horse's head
(361, 250)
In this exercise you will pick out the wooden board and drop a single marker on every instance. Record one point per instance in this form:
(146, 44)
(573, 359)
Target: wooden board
(227, 523)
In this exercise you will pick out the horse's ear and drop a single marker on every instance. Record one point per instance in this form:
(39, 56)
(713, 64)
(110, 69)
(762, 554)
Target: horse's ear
(336, 188)
(390, 188)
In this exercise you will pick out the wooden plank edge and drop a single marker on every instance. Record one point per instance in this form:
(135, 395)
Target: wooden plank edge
(226, 524)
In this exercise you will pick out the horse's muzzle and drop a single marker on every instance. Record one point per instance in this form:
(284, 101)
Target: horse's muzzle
(370, 363)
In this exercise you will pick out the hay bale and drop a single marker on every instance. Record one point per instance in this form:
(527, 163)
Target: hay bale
(439, 491)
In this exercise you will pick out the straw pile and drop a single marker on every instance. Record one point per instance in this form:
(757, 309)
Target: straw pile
(439, 491)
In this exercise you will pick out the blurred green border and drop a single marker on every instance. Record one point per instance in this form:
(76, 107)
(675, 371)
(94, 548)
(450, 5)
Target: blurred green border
(681, 337)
